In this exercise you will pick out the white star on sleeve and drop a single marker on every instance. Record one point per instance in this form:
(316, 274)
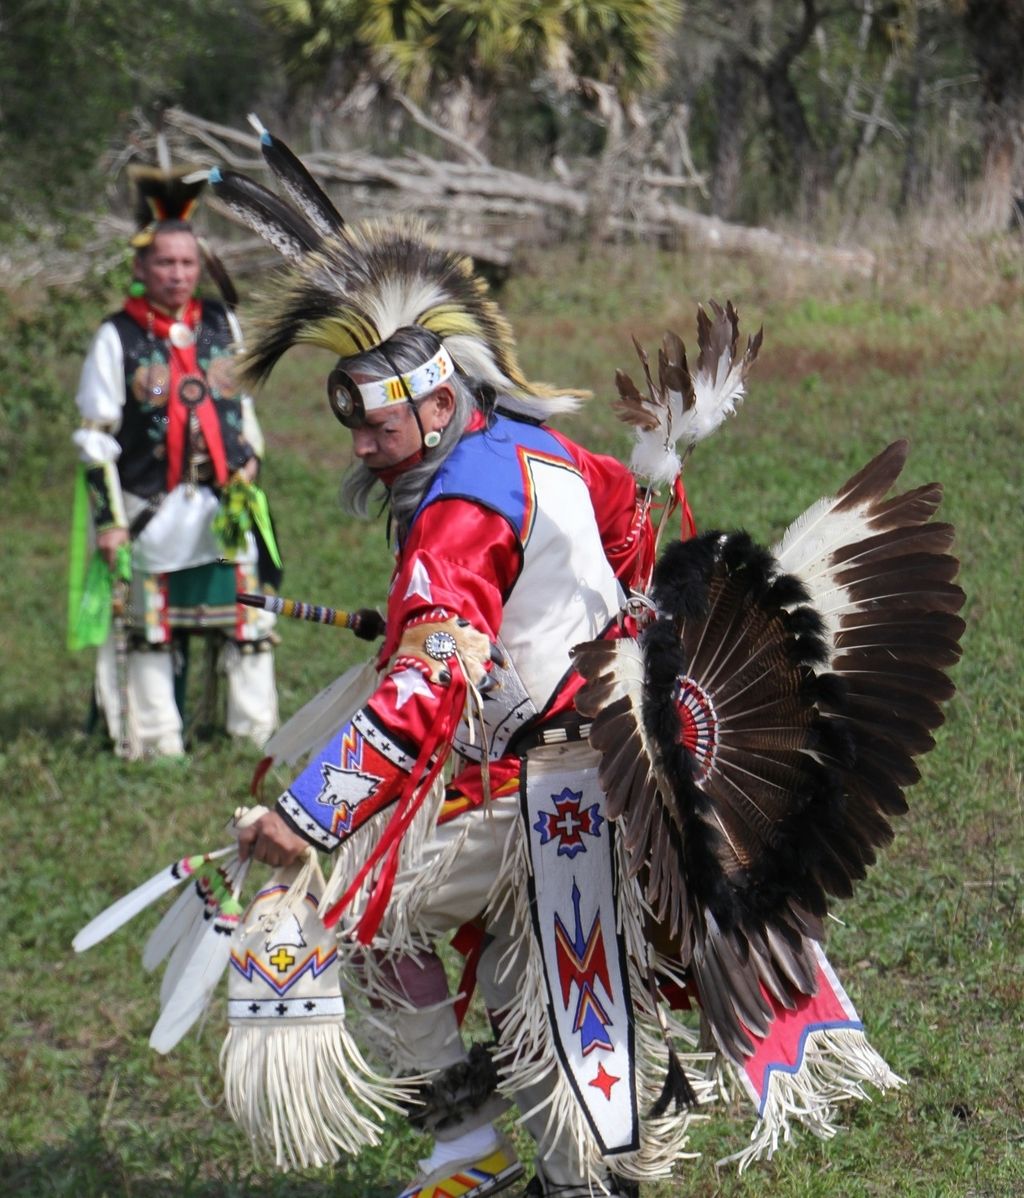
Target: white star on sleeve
(409, 682)
(419, 583)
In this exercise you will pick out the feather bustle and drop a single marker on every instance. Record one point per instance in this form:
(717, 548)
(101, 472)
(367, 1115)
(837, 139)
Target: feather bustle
(812, 692)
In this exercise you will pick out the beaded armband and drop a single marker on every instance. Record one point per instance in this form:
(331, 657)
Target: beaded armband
(433, 643)
(105, 497)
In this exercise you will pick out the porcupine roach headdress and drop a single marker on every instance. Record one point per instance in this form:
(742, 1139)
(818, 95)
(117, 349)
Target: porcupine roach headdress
(349, 288)
(166, 193)
(162, 194)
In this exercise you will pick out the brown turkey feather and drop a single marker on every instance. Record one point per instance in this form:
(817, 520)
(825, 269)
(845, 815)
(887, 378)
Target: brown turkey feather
(716, 337)
(929, 538)
(912, 508)
(632, 407)
(931, 637)
(776, 703)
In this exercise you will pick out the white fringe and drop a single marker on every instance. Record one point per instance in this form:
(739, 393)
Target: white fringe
(304, 1094)
(836, 1066)
(350, 855)
(420, 866)
(413, 890)
(347, 859)
(527, 1055)
(663, 1141)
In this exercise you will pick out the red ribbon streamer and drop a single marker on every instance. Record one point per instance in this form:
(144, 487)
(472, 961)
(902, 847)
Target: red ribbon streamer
(183, 364)
(409, 802)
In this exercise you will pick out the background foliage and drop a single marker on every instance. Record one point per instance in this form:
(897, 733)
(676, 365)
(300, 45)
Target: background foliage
(70, 74)
(793, 109)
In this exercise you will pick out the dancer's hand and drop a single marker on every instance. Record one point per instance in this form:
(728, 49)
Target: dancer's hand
(108, 543)
(270, 840)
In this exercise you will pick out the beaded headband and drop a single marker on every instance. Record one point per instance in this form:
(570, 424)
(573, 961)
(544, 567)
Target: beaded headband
(350, 400)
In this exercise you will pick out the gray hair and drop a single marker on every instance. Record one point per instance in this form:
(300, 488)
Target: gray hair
(361, 488)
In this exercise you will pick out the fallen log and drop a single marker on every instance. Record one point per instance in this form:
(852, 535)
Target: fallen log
(530, 211)
(489, 212)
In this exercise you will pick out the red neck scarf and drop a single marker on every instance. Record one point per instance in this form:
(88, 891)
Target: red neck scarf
(186, 389)
(388, 474)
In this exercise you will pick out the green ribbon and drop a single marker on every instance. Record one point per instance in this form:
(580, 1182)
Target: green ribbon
(243, 507)
(90, 584)
(260, 509)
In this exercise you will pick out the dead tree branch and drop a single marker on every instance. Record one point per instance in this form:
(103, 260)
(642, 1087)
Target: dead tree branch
(484, 210)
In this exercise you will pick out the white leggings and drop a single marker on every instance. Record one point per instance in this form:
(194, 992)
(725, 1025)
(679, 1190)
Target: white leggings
(154, 722)
(428, 1039)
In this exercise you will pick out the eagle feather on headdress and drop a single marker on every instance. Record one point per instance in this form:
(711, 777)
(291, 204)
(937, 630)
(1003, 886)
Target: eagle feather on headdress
(348, 288)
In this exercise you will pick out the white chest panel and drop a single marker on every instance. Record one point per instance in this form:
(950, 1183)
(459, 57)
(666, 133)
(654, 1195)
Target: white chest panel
(567, 593)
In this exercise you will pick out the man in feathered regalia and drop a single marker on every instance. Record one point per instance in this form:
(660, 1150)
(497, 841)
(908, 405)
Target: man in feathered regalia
(513, 544)
(170, 448)
(660, 767)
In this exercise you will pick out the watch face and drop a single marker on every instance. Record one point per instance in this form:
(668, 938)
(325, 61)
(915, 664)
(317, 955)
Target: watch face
(345, 399)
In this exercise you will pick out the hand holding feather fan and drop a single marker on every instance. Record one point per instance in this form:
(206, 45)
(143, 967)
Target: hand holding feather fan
(194, 936)
(757, 736)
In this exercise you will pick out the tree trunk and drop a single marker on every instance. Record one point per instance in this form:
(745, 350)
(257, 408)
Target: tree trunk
(997, 187)
(466, 112)
(910, 175)
(996, 32)
(796, 154)
(732, 87)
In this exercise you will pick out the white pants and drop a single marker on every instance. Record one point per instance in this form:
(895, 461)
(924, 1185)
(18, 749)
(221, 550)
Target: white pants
(428, 1039)
(154, 722)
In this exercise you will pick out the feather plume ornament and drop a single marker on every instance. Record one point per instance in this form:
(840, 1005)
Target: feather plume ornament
(348, 288)
(199, 960)
(202, 904)
(759, 733)
(193, 937)
(128, 906)
(685, 406)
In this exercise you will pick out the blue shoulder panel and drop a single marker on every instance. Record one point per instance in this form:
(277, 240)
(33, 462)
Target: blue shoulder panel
(493, 467)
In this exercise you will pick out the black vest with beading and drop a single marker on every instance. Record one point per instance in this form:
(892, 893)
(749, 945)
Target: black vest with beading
(143, 434)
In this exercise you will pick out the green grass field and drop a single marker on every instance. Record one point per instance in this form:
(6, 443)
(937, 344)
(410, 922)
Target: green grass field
(931, 948)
